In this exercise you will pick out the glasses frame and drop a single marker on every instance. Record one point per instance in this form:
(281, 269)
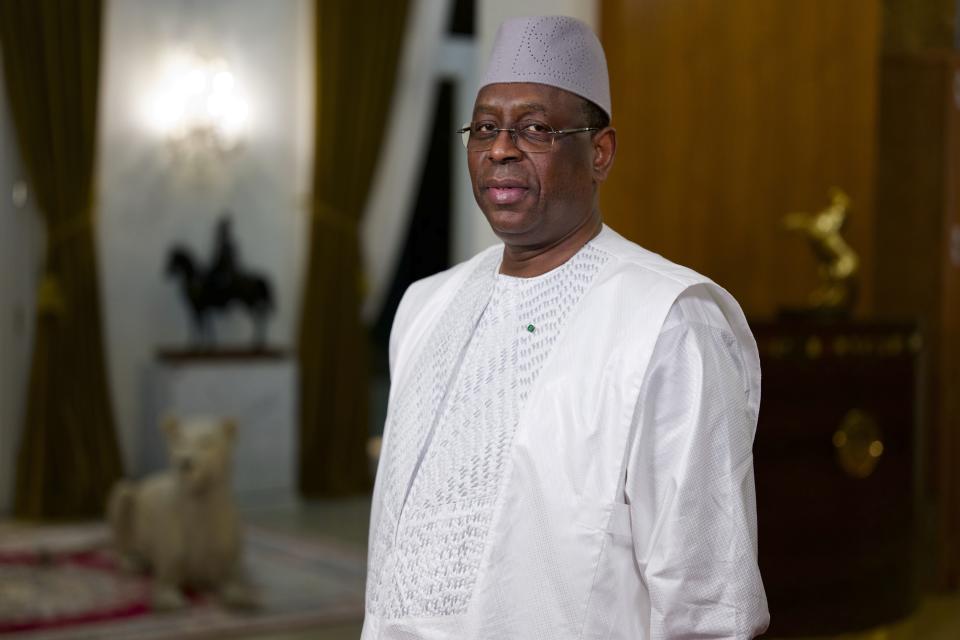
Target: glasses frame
(516, 136)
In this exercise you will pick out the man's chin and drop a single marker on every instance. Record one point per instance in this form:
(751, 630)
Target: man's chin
(505, 223)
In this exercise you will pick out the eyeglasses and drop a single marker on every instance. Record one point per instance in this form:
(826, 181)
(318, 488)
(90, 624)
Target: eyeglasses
(529, 137)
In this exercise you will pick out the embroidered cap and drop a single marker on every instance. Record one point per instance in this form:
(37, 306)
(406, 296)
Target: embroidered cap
(559, 51)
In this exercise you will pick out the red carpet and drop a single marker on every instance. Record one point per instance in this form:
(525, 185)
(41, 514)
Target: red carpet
(63, 582)
(42, 591)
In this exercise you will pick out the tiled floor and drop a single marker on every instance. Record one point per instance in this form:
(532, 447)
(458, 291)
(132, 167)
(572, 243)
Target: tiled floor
(347, 521)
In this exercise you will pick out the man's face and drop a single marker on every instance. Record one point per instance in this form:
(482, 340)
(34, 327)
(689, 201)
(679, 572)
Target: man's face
(534, 199)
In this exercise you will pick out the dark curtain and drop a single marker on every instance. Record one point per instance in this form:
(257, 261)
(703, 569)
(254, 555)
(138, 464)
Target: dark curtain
(358, 44)
(68, 454)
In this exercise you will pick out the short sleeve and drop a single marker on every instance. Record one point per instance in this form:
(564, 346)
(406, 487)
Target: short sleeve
(689, 481)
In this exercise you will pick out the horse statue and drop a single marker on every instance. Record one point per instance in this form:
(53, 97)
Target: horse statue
(838, 263)
(223, 284)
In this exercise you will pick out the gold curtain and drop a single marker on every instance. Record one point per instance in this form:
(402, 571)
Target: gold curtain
(358, 43)
(68, 454)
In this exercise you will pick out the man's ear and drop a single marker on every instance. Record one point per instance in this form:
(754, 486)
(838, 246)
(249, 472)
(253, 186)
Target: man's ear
(604, 149)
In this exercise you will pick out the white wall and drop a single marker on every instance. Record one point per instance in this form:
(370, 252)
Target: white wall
(147, 201)
(20, 254)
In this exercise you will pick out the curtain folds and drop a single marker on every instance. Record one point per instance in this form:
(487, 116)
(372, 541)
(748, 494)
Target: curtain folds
(68, 454)
(358, 44)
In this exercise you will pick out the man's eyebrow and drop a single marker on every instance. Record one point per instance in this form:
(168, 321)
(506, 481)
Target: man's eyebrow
(523, 107)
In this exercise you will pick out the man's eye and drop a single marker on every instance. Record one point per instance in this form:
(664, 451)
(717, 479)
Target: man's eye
(484, 127)
(534, 127)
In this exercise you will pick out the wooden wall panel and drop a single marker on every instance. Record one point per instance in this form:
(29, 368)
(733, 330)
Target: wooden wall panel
(917, 272)
(917, 241)
(950, 335)
(732, 113)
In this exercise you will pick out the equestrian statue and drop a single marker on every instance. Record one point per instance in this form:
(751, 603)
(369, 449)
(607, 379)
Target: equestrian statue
(224, 283)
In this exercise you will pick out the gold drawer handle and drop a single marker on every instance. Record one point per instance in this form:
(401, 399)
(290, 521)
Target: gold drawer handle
(858, 444)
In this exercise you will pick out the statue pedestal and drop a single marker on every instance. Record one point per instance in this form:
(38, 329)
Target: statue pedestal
(257, 389)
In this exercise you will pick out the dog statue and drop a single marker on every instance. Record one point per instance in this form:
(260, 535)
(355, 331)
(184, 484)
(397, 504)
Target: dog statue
(181, 524)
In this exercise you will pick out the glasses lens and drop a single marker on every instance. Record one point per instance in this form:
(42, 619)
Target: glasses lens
(481, 135)
(534, 137)
(528, 137)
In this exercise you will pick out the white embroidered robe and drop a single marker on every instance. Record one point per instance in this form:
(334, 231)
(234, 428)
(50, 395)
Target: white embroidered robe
(568, 456)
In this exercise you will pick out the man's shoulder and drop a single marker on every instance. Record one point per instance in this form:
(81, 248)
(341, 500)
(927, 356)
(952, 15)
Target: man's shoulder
(693, 300)
(632, 260)
(695, 294)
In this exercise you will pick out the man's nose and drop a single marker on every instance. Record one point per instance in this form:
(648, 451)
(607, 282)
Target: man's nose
(504, 147)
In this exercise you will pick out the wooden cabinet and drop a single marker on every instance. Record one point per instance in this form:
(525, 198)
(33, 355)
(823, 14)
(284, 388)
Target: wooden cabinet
(835, 470)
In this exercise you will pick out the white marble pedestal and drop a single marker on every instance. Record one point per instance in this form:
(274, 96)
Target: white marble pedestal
(258, 390)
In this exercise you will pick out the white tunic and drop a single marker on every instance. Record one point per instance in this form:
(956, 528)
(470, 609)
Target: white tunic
(568, 456)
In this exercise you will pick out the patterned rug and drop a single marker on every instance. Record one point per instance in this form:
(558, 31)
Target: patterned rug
(62, 582)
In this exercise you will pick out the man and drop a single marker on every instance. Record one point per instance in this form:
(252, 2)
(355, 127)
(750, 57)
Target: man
(568, 443)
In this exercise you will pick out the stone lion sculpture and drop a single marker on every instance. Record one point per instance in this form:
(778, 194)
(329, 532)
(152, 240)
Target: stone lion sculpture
(181, 524)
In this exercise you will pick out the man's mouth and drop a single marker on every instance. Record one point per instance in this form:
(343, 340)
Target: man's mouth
(506, 191)
(507, 195)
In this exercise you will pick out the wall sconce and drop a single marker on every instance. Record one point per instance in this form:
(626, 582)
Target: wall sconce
(198, 107)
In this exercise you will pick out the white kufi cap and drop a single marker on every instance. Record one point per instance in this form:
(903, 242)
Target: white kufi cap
(558, 51)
